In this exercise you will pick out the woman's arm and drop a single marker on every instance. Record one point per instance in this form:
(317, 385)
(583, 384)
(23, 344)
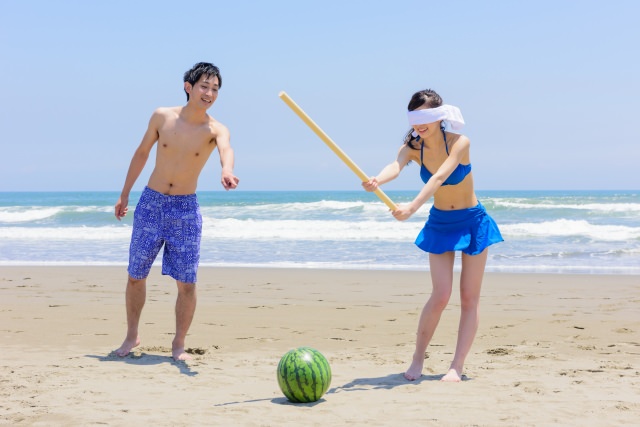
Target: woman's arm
(391, 171)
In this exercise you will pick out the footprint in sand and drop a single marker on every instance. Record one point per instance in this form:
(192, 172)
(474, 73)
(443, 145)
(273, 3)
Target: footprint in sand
(196, 350)
(498, 351)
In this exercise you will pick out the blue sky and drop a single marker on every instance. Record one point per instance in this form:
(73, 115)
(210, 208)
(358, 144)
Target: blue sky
(550, 90)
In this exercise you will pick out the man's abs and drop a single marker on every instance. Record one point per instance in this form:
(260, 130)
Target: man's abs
(177, 175)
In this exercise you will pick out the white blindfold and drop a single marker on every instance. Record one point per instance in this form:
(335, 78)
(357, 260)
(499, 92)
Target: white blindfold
(445, 112)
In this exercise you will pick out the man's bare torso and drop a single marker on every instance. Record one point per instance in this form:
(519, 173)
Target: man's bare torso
(183, 148)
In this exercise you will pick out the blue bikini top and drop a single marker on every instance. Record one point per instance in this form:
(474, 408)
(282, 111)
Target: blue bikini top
(456, 177)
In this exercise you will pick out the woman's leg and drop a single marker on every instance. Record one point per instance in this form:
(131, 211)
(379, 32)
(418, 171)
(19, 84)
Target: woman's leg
(441, 266)
(470, 284)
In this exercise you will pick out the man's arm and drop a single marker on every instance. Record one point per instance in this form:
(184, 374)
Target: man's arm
(138, 162)
(229, 180)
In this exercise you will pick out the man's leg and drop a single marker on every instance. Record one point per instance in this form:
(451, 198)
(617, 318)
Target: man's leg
(185, 309)
(135, 298)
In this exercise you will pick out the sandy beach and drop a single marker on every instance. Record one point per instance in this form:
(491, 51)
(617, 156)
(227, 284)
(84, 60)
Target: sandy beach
(551, 350)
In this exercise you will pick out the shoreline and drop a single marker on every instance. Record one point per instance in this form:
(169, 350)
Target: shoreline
(524, 270)
(549, 348)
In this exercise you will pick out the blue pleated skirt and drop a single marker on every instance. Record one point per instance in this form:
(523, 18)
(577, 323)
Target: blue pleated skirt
(468, 230)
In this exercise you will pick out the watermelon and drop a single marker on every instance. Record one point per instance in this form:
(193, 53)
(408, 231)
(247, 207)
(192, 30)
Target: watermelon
(304, 375)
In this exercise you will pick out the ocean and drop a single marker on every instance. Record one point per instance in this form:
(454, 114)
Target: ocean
(591, 232)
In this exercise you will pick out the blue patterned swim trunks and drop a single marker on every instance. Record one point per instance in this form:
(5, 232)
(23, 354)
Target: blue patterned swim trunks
(172, 221)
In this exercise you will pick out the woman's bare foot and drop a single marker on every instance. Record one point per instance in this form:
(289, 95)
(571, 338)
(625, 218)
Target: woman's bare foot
(452, 376)
(415, 371)
(127, 346)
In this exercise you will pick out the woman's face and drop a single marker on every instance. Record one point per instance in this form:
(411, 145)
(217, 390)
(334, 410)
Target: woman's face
(426, 129)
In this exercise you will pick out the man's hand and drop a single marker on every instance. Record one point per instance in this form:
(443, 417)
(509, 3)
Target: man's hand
(121, 207)
(229, 180)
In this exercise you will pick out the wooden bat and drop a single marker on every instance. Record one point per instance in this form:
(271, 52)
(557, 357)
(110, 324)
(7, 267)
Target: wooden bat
(334, 147)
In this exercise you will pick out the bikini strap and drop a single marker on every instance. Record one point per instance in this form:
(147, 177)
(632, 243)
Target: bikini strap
(445, 144)
(446, 147)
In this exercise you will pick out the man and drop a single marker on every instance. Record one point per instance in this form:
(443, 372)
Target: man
(167, 212)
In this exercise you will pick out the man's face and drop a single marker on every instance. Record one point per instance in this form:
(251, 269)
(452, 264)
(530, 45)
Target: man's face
(205, 92)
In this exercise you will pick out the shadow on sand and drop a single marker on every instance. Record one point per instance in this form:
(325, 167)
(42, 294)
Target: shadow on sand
(359, 384)
(145, 359)
(387, 382)
(275, 400)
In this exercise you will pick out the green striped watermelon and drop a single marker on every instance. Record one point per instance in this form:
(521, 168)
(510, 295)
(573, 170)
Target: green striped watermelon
(304, 375)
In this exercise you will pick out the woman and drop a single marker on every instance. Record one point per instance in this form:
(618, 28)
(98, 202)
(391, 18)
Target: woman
(457, 221)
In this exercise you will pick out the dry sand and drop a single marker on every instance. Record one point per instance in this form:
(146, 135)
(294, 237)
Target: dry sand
(551, 350)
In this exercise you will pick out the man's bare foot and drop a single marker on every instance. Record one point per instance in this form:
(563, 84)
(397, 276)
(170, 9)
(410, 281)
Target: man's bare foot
(414, 372)
(127, 346)
(180, 354)
(452, 377)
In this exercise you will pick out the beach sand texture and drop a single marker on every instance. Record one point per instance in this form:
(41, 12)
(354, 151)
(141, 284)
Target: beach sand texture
(551, 350)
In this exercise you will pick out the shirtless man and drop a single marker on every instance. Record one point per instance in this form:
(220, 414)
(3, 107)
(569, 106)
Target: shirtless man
(167, 212)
